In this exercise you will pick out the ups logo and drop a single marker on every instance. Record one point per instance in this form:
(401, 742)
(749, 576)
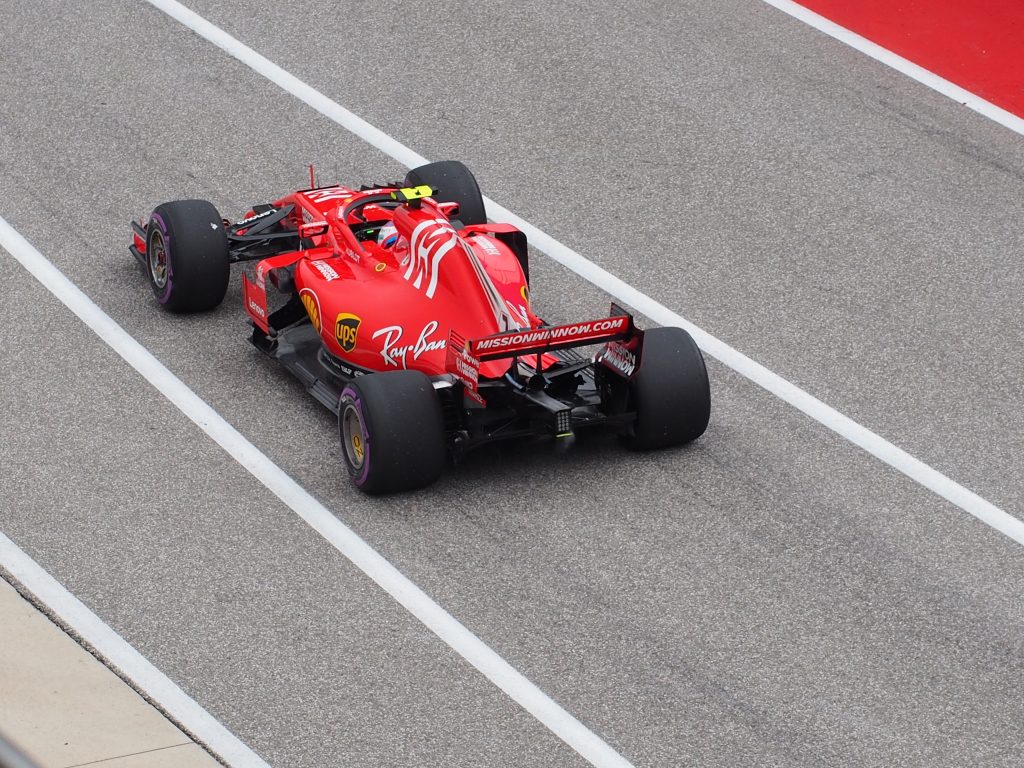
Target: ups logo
(345, 329)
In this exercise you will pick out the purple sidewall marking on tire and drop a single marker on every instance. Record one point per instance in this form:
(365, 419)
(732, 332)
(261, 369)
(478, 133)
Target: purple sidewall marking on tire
(352, 395)
(166, 295)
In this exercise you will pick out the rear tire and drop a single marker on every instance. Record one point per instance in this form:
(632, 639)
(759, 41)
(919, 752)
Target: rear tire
(392, 432)
(455, 184)
(670, 393)
(187, 256)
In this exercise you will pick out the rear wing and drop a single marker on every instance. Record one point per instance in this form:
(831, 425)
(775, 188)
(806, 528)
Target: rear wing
(540, 340)
(622, 340)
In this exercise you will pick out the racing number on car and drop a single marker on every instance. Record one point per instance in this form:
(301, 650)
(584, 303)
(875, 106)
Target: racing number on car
(346, 328)
(429, 243)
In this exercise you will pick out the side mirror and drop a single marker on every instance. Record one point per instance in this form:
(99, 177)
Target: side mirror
(312, 229)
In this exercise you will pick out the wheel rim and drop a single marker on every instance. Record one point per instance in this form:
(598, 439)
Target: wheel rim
(354, 437)
(157, 253)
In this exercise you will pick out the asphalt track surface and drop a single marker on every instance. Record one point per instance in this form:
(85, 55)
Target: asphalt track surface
(768, 596)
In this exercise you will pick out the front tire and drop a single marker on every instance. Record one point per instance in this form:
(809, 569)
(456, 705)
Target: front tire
(670, 393)
(455, 184)
(187, 256)
(392, 432)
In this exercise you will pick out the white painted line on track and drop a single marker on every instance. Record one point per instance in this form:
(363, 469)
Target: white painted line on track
(859, 435)
(116, 650)
(901, 65)
(570, 730)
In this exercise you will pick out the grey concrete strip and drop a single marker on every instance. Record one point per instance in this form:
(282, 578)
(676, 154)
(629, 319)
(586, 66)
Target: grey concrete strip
(64, 708)
(170, 757)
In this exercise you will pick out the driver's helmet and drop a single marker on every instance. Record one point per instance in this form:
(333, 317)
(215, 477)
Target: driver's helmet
(387, 236)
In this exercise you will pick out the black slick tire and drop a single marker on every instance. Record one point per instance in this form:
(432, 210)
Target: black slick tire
(392, 432)
(187, 256)
(455, 184)
(670, 393)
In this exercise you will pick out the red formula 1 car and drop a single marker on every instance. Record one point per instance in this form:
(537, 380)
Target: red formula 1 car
(408, 315)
